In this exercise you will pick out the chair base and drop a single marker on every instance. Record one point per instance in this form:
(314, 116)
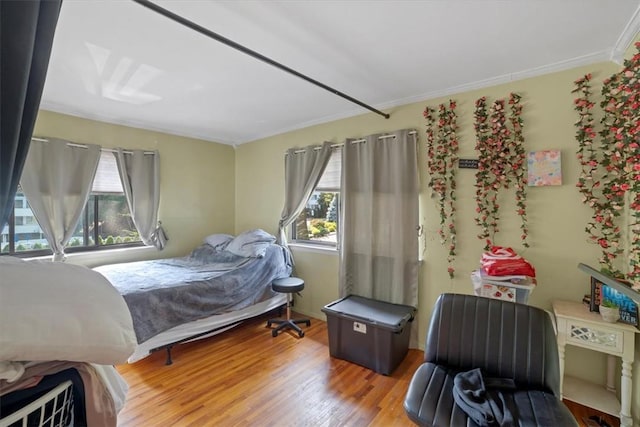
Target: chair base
(287, 324)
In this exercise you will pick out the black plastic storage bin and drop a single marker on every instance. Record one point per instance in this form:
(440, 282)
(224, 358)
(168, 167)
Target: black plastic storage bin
(371, 333)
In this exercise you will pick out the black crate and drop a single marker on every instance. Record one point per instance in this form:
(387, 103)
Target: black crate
(371, 333)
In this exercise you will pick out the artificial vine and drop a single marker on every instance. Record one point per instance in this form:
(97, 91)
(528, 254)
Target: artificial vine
(610, 173)
(519, 161)
(442, 160)
(501, 160)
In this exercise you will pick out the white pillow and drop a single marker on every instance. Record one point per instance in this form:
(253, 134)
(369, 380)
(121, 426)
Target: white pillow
(59, 311)
(251, 243)
(218, 241)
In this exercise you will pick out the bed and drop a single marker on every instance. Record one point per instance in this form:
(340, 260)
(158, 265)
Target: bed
(92, 319)
(222, 282)
(61, 323)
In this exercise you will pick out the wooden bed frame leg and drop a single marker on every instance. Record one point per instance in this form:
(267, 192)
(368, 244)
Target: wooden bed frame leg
(169, 361)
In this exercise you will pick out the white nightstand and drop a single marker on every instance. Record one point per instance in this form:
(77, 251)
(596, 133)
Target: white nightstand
(579, 327)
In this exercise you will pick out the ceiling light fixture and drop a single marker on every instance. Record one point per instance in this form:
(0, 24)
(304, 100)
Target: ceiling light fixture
(246, 50)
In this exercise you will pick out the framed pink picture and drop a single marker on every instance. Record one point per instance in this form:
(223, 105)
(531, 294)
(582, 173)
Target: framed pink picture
(544, 167)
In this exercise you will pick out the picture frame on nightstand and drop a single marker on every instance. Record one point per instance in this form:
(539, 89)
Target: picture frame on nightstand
(601, 292)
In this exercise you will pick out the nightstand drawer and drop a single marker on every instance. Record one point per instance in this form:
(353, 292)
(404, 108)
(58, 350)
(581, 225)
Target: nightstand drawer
(595, 337)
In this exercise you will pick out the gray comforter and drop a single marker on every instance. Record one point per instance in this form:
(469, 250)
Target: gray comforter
(165, 293)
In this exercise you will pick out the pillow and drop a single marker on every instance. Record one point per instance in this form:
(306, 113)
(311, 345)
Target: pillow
(59, 311)
(251, 243)
(218, 241)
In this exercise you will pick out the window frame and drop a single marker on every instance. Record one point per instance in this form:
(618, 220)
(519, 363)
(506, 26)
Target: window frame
(292, 227)
(107, 187)
(69, 249)
(320, 188)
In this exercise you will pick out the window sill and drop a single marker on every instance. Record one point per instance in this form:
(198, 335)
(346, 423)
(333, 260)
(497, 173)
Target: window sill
(107, 256)
(313, 248)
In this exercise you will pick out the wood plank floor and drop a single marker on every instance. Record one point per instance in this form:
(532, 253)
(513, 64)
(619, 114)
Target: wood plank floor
(245, 377)
(582, 412)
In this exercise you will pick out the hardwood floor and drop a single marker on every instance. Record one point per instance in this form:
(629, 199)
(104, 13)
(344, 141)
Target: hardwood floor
(582, 412)
(247, 377)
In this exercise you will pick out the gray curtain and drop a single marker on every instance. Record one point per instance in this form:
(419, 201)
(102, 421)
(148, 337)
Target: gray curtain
(56, 181)
(302, 171)
(140, 175)
(26, 31)
(379, 245)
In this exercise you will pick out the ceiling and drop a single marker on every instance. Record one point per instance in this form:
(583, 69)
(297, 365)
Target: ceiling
(119, 62)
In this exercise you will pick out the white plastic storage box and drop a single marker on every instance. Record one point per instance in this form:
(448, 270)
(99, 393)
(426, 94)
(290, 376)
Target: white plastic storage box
(371, 333)
(502, 290)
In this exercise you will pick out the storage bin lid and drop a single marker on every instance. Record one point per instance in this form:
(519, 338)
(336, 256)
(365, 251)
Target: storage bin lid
(379, 313)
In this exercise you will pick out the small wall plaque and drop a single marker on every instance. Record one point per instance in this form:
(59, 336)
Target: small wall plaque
(468, 163)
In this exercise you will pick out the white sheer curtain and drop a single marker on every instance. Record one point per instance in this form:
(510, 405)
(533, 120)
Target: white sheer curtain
(56, 180)
(140, 175)
(379, 245)
(302, 171)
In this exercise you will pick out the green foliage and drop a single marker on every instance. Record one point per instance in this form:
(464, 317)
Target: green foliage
(37, 246)
(5, 248)
(608, 303)
(331, 226)
(332, 212)
(20, 247)
(109, 240)
(75, 242)
(318, 228)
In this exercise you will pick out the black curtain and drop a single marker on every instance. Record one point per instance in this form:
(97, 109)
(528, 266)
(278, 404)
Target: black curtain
(26, 37)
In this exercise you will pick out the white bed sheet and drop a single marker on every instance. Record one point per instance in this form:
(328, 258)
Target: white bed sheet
(200, 326)
(114, 383)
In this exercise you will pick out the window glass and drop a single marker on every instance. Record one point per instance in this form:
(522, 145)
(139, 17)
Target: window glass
(27, 234)
(318, 223)
(115, 224)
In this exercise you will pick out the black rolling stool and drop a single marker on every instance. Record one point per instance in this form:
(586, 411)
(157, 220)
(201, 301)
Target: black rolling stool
(288, 285)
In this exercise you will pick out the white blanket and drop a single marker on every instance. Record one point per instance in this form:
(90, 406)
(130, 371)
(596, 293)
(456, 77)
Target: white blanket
(59, 311)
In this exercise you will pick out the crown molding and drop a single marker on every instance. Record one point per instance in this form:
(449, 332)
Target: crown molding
(592, 58)
(626, 38)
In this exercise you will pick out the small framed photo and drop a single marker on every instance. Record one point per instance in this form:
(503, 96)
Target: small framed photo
(544, 167)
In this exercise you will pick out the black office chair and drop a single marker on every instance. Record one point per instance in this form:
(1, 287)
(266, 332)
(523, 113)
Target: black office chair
(515, 347)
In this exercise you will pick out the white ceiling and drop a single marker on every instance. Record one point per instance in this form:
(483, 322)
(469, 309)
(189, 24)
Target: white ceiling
(119, 62)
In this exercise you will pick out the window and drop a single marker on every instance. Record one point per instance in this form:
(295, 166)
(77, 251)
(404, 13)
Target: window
(319, 222)
(105, 221)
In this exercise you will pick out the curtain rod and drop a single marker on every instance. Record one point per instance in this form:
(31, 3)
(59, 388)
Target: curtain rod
(74, 144)
(202, 30)
(355, 141)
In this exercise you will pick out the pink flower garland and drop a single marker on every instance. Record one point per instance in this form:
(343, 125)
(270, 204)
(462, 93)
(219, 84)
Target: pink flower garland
(501, 160)
(442, 160)
(610, 177)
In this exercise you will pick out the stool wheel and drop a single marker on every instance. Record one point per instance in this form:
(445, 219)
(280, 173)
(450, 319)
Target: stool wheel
(301, 334)
(274, 333)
